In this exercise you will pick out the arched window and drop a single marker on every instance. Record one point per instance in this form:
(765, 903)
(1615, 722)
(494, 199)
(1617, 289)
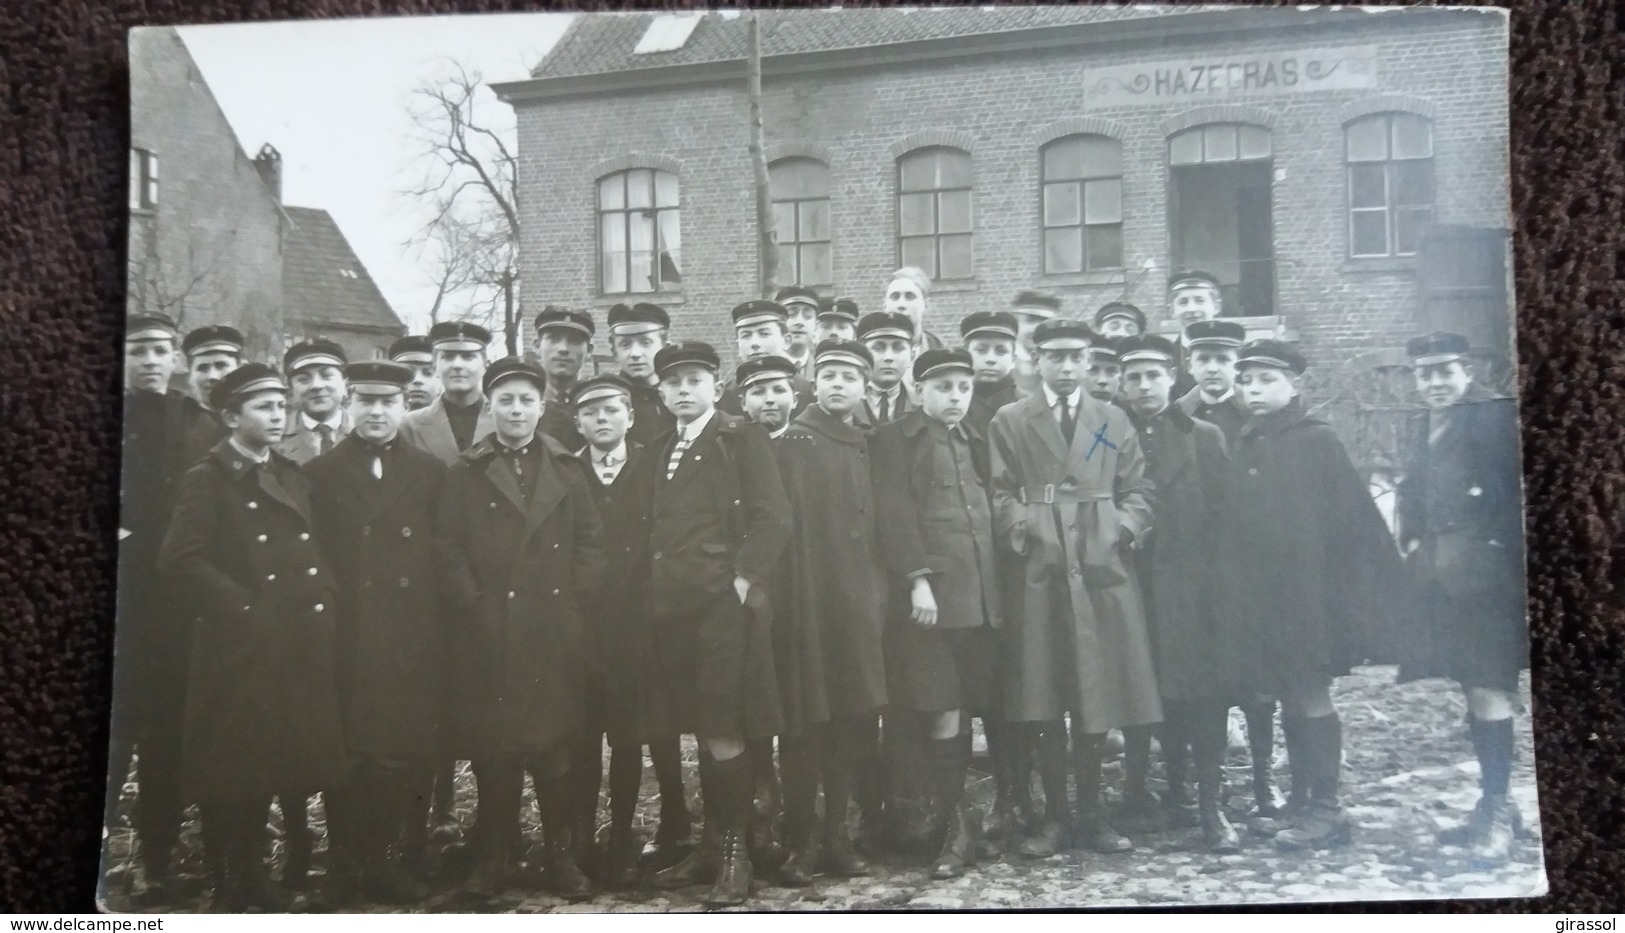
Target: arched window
(1390, 183)
(1082, 181)
(639, 237)
(799, 189)
(934, 212)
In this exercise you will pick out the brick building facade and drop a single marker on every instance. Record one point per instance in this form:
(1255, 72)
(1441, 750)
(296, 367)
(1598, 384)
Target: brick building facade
(1210, 139)
(206, 234)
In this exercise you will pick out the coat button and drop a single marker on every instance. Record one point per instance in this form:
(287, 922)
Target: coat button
(270, 576)
(493, 505)
(406, 532)
(1252, 471)
(404, 582)
(510, 594)
(319, 607)
(311, 572)
(657, 555)
(1475, 491)
(253, 505)
(263, 539)
(304, 536)
(555, 592)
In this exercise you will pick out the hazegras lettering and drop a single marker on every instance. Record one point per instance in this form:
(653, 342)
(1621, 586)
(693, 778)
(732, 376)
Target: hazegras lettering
(1221, 79)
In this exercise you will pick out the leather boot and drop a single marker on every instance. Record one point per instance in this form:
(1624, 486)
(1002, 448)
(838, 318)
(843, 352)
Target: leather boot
(698, 867)
(1205, 726)
(951, 759)
(1491, 843)
(1139, 803)
(621, 858)
(1217, 833)
(801, 761)
(1052, 834)
(734, 785)
(560, 874)
(1267, 799)
(766, 849)
(799, 868)
(1294, 730)
(1091, 828)
(1321, 824)
(841, 760)
(672, 841)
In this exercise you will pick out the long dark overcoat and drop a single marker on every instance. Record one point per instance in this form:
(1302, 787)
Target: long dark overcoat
(722, 514)
(986, 401)
(1077, 636)
(650, 416)
(378, 535)
(1307, 561)
(1461, 503)
(1228, 416)
(619, 643)
(830, 664)
(429, 429)
(518, 579)
(154, 627)
(1186, 462)
(262, 709)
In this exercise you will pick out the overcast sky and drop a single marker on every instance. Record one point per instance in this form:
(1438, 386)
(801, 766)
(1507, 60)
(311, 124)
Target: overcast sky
(332, 97)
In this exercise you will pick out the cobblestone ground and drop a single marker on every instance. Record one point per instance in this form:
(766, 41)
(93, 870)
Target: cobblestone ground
(1409, 772)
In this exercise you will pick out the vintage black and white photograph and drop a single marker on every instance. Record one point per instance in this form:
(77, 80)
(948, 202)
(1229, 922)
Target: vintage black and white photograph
(821, 459)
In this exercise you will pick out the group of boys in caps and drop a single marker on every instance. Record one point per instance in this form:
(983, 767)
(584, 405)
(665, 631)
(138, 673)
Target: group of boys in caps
(822, 566)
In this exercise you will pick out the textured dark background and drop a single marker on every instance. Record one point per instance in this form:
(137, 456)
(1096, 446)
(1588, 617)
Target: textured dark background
(63, 138)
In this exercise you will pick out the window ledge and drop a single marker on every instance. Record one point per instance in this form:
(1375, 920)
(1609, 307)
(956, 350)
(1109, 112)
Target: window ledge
(955, 285)
(1379, 264)
(659, 298)
(143, 212)
(1073, 279)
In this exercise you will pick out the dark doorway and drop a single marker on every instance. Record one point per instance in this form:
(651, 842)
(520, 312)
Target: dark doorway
(1220, 216)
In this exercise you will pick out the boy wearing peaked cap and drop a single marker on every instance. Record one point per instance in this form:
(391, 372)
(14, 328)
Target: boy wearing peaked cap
(767, 392)
(837, 319)
(636, 334)
(1460, 516)
(262, 709)
(563, 344)
(623, 702)
(1210, 350)
(719, 522)
(990, 338)
(1308, 561)
(211, 352)
(889, 337)
(1072, 499)
(415, 351)
(761, 330)
(149, 657)
(1031, 308)
(801, 321)
(936, 541)
(1105, 373)
(457, 419)
(1194, 296)
(1186, 463)
(522, 559)
(831, 668)
(373, 499)
(1118, 319)
(1210, 359)
(315, 371)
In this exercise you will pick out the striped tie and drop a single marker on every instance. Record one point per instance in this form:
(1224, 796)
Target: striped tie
(676, 455)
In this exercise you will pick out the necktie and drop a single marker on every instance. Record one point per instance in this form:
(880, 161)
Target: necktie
(377, 466)
(607, 469)
(677, 451)
(1068, 420)
(326, 434)
(885, 408)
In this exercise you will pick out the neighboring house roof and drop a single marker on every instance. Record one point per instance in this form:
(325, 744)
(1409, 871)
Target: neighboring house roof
(603, 43)
(323, 281)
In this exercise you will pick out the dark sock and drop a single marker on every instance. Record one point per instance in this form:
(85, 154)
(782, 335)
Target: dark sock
(801, 762)
(1086, 756)
(951, 759)
(1493, 744)
(1052, 769)
(1298, 751)
(1137, 756)
(625, 776)
(666, 757)
(1261, 731)
(1327, 757)
(732, 782)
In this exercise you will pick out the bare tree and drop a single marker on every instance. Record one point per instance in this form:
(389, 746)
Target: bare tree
(768, 243)
(469, 239)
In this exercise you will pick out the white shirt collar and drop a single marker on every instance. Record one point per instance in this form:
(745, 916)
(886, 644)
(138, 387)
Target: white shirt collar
(692, 430)
(252, 458)
(503, 444)
(1071, 400)
(335, 422)
(1201, 393)
(614, 457)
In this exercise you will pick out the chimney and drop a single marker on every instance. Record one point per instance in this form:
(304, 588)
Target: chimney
(269, 164)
